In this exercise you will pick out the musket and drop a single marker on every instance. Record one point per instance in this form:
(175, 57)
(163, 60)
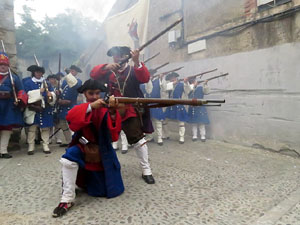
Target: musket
(50, 70)
(161, 102)
(167, 72)
(152, 39)
(16, 101)
(153, 71)
(50, 98)
(212, 78)
(197, 75)
(152, 57)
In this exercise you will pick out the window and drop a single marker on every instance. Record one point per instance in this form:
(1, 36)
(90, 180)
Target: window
(268, 4)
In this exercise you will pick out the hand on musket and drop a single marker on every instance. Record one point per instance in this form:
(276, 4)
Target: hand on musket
(112, 105)
(135, 54)
(49, 96)
(113, 67)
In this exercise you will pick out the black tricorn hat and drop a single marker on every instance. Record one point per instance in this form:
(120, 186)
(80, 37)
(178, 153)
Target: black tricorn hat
(171, 75)
(92, 85)
(118, 51)
(52, 76)
(76, 68)
(35, 68)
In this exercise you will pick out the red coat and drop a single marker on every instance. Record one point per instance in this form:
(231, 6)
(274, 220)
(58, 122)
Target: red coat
(79, 120)
(141, 75)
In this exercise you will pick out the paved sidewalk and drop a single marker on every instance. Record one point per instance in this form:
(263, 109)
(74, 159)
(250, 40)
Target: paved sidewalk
(197, 183)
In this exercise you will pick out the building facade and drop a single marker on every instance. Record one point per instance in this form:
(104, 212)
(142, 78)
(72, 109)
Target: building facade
(257, 43)
(7, 29)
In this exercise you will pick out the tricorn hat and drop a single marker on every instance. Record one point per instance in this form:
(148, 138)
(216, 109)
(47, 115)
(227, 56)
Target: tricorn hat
(118, 51)
(172, 75)
(92, 85)
(52, 76)
(4, 58)
(35, 68)
(76, 68)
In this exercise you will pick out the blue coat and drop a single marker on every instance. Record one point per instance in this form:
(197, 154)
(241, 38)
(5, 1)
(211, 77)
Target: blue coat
(9, 113)
(197, 114)
(68, 94)
(44, 118)
(177, 112)
(157, 113)
(107, 183)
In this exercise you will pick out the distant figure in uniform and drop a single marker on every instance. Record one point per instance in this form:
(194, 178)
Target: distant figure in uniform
(124, 80)
(177, 90)
(11, 115)
(197, 115)
(67, 100)
(39, 112)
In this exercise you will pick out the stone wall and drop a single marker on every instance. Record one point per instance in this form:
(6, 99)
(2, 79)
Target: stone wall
(262, 91)
(7, 29)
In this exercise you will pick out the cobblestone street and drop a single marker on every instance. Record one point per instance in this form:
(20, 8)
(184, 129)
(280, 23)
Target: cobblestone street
(196, 183)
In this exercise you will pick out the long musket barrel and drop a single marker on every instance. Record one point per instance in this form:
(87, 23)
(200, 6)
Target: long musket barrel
(161, 66)
(153, 39)
(199, 74)
(165, 102)
(212, 78)
(165, 73)
(152, 57)
(11, 78)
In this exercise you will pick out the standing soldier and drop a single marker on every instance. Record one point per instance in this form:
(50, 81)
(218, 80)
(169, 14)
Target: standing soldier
(177, 112)
(67, 99)
(124, 80)
(39, 113)
(10, 113)
(197, 115)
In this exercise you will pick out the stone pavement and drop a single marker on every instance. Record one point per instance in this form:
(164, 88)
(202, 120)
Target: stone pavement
(197, 183)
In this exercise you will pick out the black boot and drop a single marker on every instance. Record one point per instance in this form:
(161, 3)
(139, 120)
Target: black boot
(5, 156)
(148, 179)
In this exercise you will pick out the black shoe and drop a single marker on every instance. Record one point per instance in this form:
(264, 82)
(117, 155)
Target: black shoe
(160, 143)
(62, 209)
(181, 142)
(30, 153)
(195, 139)
(5, 156)
(47, 152)
(124, 151)
(203, 139)
(148, 179)
(63, 145)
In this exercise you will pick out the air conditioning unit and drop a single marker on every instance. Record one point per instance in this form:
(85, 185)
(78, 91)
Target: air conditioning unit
(173, 36)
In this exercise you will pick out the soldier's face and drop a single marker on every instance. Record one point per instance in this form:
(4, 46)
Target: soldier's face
(92, 95)
(73, 72)
(38, 74)
(53, 81)
(3, 68)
